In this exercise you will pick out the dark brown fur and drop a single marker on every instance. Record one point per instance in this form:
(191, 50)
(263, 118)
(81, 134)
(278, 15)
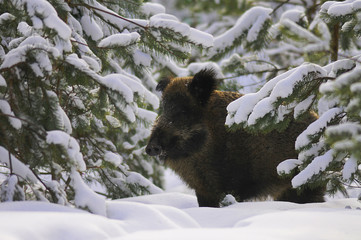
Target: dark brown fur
(191, 137)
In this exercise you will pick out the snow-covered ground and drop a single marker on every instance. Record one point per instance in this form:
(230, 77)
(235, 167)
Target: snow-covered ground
(175, 215)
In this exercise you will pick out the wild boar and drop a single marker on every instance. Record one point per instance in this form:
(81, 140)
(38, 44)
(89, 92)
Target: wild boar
(191, 138)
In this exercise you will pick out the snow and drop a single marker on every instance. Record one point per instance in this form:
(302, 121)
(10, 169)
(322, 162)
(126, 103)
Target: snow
(296, 29)
(93, 64)
(6, 110)
(343, 64)
(51, 222)
(285, 87)
(200, 37)
(119, 40)
(164, 20)
(19, 168)
(295, 15)
(149, 8)
(346, 136)
(61, 117)
(251, 107)
(336, 9)
(147, 115)
(24, 29)
(65, 120)
(287, 166)
(240, 109)
(91, 28)
(49, 16)
(342, 81)
(137, 178)
(2, 81)
(251, 21)
(256, 27)
(113, 158)
(6, 17)
(303, 106)
(85, 197)
(114, 19)
(19, 54)
(349, 168)
(175, 216)
(320, 163)
(114, 82)
(71, 146)
(141, 58)
(315, 127)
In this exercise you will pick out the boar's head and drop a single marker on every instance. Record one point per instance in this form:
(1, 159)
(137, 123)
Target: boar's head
(180, 130)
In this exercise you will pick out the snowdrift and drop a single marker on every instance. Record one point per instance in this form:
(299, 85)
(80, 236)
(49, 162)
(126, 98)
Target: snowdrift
(176, 216)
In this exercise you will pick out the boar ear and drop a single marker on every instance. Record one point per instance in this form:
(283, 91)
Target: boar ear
(162, 84)
(203, 84)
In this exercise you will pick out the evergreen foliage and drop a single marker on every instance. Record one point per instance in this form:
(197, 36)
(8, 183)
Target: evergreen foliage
(76, 97)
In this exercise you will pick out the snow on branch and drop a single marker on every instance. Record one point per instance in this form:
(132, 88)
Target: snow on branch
(316, 127)
(342, 83)
(113, 18)
(6, 110)
(124, 86)
(31, 44)
(71, 147)
(299, 31)
(149, 8)
(345, 137)
(85, 197)
(339, 9)
(2, 81)
(350, 168)
(91, 27)
(18, 168)
(136, 178)
(171, 22)
(43, 13)
(240, 109)
(119, 40)
(49, 16)
(318, 165)
(331, 144)
(279, 97)
(248, 28)
(287, 166)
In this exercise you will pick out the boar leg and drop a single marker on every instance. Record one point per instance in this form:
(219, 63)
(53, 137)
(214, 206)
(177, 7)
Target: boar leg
(307, 195)
(207, 200)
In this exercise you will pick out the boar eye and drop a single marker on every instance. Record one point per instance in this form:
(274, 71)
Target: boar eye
(178, 113)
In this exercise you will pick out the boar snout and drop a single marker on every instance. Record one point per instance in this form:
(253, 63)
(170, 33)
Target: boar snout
(153, 148)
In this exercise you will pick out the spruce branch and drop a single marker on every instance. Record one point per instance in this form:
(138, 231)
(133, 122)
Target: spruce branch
(24, 120)
(108, 178)
(146, 28)
(276, 69)
(107, 12)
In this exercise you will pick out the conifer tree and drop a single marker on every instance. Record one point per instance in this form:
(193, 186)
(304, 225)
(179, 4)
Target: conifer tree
(77, 97)
(296, 57)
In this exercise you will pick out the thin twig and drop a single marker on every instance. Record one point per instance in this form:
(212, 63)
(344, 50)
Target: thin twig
(22, 119)
(280, 5)
(259, 72)
(10, 164)
(110, 13)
